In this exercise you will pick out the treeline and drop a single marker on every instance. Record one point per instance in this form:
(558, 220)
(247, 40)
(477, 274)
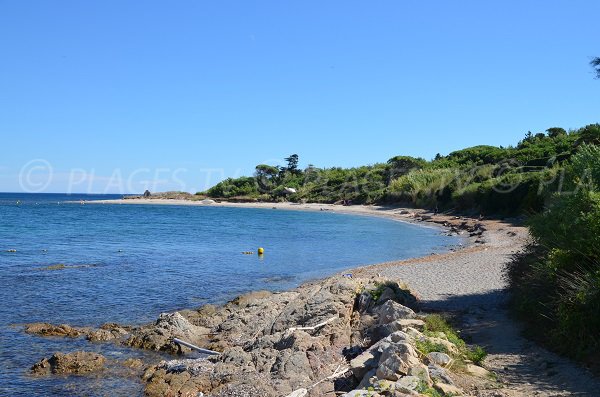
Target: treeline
(486, 179)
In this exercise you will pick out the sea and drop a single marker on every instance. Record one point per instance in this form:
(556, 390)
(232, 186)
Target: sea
(64, 259)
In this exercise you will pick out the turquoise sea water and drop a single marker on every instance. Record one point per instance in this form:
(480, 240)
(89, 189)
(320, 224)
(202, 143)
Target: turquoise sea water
(128, 263)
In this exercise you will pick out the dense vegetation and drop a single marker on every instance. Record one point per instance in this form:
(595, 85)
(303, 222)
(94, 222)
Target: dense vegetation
(487, 179)
(556, 281)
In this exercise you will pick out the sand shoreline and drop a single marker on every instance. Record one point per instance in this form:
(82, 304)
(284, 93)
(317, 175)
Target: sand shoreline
(403, 214)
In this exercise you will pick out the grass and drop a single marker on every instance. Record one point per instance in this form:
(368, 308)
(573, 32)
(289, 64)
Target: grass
(436, 323)
(425, 389)
(427, 347)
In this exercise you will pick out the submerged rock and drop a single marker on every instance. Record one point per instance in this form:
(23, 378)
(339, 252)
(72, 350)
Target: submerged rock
(72, 363)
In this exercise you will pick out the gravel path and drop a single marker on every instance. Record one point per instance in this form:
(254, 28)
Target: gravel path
(470, 283)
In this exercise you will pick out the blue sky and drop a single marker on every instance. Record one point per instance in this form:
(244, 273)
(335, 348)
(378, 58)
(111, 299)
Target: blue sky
(116, 96)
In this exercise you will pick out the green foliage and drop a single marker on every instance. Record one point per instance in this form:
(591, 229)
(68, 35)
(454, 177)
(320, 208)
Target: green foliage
(436, 323)
(585, 168)
(244, 186)
(425, 389)
(590, 134)
(556, 132)
(426, 347)
(476, 354)
(478, 155)
(555, 283)
(479, 179)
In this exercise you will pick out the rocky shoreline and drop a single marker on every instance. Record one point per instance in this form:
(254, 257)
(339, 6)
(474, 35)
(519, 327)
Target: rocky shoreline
(351, 334)
(340, 336)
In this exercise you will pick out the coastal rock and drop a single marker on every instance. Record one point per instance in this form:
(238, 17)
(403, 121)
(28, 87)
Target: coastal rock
(439, 374)
(262, 341)
(45, 329)
(477, 371)
(107, 332)
(439, 358)
(396, 360)
(407, 384)
(391, 311)
(448, 390)
(72, 363)
(133, 363)
(420, 371)
(365, 362)
(160, 335)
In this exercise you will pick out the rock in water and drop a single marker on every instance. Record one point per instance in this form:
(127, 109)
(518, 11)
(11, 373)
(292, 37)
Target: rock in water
(160, 335)
(71, 363)
(45, 329)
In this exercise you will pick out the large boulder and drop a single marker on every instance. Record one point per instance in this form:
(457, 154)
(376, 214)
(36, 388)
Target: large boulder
(391, 311)
(396, 360)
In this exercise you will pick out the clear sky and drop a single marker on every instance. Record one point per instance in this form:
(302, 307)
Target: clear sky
(116, 96)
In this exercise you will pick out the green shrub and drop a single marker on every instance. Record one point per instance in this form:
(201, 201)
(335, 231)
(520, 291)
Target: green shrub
(476, 354)
(555, 282)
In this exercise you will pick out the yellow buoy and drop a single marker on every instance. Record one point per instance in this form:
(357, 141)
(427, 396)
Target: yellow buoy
(261, 251)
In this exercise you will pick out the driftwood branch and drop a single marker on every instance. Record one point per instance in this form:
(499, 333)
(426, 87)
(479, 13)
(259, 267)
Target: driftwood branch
(194, 347)
(339, 371)
(292, 329)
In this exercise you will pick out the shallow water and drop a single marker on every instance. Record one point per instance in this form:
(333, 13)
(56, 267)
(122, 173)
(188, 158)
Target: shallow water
(128, 263)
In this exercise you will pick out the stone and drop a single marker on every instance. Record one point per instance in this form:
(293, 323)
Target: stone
(45, 329)
(363, 363)
(407, 383)
(449, 390)
(413, 333)
(477, 371)
(107, 332)
(439, 374)
(364, 302)
(420, 371)
(72, 363)
(411, 322)
(395, 361)
(400, 336)
(133, 363)
(368, 380)
(387, 294)
(439, 358)
(159, 336)
(392, 311)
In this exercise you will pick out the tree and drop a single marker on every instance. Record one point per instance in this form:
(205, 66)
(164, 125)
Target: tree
(292, 164)
(589, 134)
(266, 171)
(265, 176)
(555, 132)
(595, 63)
(402, 165)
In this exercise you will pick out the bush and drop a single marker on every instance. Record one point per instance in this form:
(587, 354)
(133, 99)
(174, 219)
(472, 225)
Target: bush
(555, 283)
